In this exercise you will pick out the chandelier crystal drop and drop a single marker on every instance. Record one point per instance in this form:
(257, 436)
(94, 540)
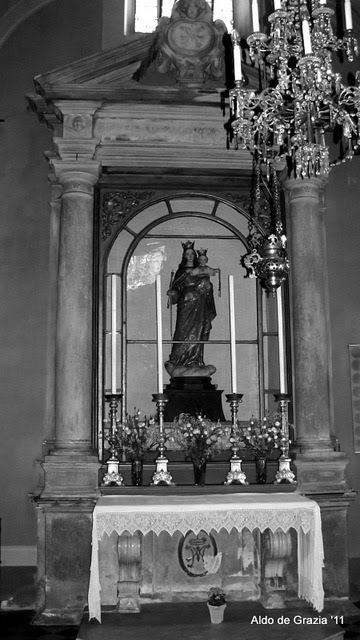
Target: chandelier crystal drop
(301, 98)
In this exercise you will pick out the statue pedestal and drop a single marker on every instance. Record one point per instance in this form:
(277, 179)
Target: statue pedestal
(193, 395)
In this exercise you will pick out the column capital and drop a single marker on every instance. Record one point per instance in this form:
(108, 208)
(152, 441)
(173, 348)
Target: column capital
(76, 177)
(303, 187)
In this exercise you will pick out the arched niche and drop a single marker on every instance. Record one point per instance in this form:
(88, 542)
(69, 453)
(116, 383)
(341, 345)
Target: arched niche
(148, 242)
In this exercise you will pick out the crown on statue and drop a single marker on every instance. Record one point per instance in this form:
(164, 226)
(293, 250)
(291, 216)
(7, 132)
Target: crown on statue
(202, 252)
(188, 245)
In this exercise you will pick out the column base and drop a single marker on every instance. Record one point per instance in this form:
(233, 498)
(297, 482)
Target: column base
(321, 472)
(64, 552)
(71, 474)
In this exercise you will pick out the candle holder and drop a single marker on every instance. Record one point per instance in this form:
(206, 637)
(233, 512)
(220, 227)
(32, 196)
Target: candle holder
(236, 475)
(284, 475)
(113, 475)
(161, 475)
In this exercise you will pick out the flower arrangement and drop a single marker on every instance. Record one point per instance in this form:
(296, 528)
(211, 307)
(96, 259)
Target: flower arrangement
(216, 597)
(260, 437)
(199, 437)
(137, 436)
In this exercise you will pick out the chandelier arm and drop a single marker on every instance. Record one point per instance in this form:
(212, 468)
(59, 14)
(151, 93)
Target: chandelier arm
(301, 97)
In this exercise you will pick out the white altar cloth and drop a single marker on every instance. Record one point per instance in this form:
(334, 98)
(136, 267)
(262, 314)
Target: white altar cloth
(129, 513)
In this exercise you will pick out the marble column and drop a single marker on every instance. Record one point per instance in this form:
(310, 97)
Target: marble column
(310, 313)
(74, 335)
(311, 347)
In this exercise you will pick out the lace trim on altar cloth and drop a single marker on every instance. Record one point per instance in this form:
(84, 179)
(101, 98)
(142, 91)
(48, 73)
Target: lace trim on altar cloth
(225, 519)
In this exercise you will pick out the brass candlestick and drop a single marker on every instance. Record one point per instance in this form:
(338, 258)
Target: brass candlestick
(161, 475)
(284, 475)
(236, 475)
(113, 475)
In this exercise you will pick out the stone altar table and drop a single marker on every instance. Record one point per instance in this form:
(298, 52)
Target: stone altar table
(134, 514)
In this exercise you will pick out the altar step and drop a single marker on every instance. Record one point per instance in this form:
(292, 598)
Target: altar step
(182, 472)
(190, 621)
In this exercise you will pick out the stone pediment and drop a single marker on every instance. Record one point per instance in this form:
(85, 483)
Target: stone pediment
(154, 100)
(101, 75)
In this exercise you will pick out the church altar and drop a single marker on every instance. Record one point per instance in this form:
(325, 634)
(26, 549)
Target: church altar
(132, 514)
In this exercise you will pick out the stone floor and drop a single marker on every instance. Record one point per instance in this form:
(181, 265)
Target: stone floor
(186, 620)
(165, 621)
(173, 621)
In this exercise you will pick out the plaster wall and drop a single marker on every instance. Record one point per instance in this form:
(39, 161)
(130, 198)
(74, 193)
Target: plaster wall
(343, 236)
(57, 34)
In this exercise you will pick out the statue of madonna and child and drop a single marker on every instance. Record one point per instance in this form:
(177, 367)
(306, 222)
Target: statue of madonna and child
(192, 291)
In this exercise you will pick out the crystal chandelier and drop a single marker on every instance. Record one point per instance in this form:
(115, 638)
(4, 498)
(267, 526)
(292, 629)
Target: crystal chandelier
(301, 98)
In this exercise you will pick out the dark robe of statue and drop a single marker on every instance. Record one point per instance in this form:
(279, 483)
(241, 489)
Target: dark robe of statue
(192, 291)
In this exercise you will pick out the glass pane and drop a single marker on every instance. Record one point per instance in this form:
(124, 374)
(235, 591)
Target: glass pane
(235, 218)
(117, 253)
(146, 16)
(193, 204)
(271, 363)
(223, 10)
(147, 216)
(161, 254)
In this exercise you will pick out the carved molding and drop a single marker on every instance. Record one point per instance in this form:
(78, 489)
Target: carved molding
(147, 129)
(304, 187)
(76, 177)
(117, 204)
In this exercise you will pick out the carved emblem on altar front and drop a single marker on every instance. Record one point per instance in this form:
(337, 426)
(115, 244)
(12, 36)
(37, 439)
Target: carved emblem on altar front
(198, 555)
(189, 43)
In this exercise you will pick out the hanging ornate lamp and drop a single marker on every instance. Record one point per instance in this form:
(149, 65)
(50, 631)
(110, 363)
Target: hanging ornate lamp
(267, 259)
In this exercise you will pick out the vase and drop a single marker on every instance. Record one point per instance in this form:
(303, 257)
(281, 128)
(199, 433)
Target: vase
(137, 472)
(216, 613)
(199, 473)
(261, 470)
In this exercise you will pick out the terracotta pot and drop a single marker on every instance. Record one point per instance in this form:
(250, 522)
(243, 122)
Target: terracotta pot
(216, 613)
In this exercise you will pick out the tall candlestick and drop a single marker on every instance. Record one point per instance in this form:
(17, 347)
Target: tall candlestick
(113, 334)
(306, 36)
(348, 15)
(255, 16)
(159, 335)
(237, 62)
(232, 335)
(281, 341)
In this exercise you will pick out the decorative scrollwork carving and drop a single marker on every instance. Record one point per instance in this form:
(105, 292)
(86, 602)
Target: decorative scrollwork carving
(117, 204)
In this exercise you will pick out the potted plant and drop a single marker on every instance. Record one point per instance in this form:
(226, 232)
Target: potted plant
(216, 603)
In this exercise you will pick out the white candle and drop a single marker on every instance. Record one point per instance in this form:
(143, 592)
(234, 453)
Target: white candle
(281, 340)
(232, 335)
(113, 333)
(277, 5)
(348, 15)
(255, 16)
(159, 335)
(306, 36)
(237, 62)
